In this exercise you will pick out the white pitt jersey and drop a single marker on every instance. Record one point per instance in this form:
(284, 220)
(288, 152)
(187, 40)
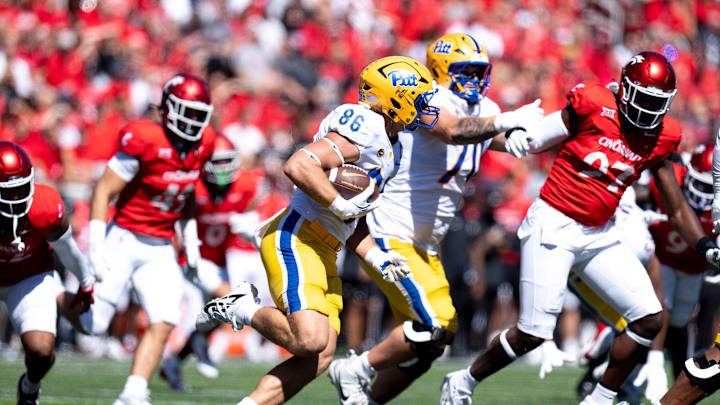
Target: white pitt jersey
(420, 201)
(366, 130)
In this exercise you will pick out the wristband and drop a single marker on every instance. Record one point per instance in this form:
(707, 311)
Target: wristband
(704, 244)
(96, 231)
(373, 255)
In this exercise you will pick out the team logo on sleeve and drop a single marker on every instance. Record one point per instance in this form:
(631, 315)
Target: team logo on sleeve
(403, 78)
(607, 112)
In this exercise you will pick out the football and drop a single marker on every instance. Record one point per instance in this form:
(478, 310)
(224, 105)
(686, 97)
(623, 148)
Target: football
(351, 180)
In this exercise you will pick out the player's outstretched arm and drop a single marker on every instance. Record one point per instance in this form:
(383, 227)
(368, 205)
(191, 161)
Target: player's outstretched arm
(390, 264)
(109, 185)
(456, 130)
(680, 215)
(550, 131)
(62, 242)
(716, 185)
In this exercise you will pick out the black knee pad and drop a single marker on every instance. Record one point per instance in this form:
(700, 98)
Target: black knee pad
(706, 376)
(428, 342)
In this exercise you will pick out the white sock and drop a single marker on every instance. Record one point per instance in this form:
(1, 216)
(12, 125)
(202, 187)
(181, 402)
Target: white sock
(602, 395)
(245, 312)
(28, 386)
(469, 379)
(247, 401)
(365, 367)
(135, 386)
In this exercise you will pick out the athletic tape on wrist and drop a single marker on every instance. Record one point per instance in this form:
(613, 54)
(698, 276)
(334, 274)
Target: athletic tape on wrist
(506, 345)
(637, 338)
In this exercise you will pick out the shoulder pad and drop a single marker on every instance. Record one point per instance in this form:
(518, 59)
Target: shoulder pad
(137, 136)
(48, 209)
(586, 97)
(357, 123)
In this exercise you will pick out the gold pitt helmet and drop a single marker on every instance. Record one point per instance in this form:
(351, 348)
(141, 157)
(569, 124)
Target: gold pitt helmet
(458, 62)
(402, 87)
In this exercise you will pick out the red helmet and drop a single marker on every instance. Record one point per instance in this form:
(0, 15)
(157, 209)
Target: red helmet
(222, 167)
(16, 181)
(698, 183)
(186, 107)
(647, 87)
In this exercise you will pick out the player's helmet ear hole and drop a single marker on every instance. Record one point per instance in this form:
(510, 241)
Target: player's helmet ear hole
(392, 113)
(366, 87)
(395, 103)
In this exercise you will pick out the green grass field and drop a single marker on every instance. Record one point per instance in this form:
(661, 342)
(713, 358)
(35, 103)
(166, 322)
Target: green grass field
(78, 380)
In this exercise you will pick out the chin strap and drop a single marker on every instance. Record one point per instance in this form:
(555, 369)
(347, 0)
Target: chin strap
(17, 241)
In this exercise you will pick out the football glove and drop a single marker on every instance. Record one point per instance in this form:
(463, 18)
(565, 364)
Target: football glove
(716, 216)
(650, 217)
(84, 297)
(357, 206)
(244, 224)
(391, 265)
(653, 372)
(553, 357)
(526, 117)
(518, 143)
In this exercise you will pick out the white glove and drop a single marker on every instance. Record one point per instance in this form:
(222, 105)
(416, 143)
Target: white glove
(525, 117)
(553, 357)
(653, 371)
(391, 265)
(244, 224)
(518, 143)
(191, 243)
(650, 217)
(357, 206)
(96, 256)
(716, 216)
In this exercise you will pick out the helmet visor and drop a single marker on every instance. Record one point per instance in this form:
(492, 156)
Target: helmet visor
(187, 119)
(424, 109)
(698, 189)
(16, 196)
(470, 80)
(645, 107)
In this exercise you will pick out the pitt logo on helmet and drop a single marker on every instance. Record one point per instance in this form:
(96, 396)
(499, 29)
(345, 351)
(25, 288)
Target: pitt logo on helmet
(442, 47)
(403, 78)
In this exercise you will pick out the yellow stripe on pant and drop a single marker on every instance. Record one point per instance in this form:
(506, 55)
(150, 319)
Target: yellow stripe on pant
(425, 295)
(607, 313)
(300, 267)
(717, 339)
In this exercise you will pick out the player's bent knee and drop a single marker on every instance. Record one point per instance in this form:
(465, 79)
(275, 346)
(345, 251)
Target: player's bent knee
(310, 344)
(647, 327)
(428, 342)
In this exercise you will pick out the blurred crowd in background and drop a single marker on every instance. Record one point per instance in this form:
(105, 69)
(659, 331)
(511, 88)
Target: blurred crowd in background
(73, 72)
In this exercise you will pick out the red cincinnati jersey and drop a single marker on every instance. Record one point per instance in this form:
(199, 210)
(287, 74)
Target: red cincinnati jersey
(154, 199)
(213, 215)
(45, 215)
(670, 248)
(599, 159)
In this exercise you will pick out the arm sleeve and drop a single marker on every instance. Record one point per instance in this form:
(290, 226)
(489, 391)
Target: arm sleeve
(124, 165)
(551, 131)
(716, 168)
(71, 257)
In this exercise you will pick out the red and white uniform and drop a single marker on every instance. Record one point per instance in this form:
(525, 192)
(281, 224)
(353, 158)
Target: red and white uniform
(569, 228)
(594, 166)
(138, 248)
(681, 265)
(28, 281)
(213, 218)
(155, 197)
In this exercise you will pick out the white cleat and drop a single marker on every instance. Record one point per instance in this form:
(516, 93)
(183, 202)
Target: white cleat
(351, 387)
(125, 399)
(222, 310)
(454, 390)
